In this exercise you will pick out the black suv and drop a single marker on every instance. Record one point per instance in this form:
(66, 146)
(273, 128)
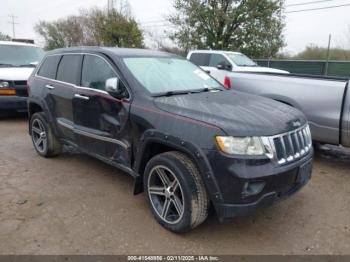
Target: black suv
(187, 141)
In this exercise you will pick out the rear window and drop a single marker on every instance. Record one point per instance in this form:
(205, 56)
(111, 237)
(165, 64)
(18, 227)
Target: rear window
(49, 67)
(69, 69)
(200, 59)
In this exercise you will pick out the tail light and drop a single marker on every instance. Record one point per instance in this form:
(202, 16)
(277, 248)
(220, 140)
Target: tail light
(227, 82)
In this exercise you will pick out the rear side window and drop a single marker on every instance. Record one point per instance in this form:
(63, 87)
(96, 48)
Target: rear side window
(216, 59)
(49, 67)
(200, 59)
(95, 72)
(69, 69)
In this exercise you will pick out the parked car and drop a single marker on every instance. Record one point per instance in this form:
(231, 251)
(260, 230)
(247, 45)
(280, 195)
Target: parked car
(186, 140)
(17, 61)
(324, 100)
(214, 62)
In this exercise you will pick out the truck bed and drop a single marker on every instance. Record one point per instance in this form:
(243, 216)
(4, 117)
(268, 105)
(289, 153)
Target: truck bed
(324, 100)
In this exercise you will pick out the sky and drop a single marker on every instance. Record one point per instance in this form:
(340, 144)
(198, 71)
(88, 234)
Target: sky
(302, 28)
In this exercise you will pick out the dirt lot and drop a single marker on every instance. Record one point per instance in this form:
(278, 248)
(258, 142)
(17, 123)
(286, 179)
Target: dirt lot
(75, 204)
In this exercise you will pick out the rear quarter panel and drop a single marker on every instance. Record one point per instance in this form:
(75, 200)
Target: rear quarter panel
(320, 100)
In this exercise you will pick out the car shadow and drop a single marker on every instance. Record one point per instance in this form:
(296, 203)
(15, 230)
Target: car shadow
(5, 116)
(332, 153)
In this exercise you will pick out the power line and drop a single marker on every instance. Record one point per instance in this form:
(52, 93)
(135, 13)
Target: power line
(309, 3)
(319, 8)
(13, 17)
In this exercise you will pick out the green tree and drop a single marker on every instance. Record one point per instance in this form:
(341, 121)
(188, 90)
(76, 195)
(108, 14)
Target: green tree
(4, 37)
(92, 27)
(313, 52)
(253, 27)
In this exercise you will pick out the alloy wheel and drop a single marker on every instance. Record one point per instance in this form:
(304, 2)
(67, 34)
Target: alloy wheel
(165, 194)
(39, 135)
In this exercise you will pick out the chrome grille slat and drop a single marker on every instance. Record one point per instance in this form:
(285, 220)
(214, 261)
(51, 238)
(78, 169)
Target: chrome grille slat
(290, 146)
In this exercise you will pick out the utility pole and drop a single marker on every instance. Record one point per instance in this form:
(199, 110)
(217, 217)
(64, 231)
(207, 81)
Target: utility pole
(13, 17)
(328, 54)
(110, 5)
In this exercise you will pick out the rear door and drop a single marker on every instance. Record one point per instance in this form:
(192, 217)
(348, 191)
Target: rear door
(57, 95)
(101, 122)
(62, 91)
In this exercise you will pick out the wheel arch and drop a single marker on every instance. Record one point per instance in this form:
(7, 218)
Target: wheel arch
(34, 107)
(154, 143)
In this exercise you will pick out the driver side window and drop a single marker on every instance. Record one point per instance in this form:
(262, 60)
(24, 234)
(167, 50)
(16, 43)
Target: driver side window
(216, 59)
(95, 72)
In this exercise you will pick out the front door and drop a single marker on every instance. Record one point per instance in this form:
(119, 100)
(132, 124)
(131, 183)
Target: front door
(101, 122)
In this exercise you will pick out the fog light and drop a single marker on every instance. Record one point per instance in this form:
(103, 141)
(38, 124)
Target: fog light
(252, 188)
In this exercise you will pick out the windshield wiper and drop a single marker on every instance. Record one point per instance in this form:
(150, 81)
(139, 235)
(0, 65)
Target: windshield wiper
(172, 93)
(4, 64)
(206, 89)
(27, 65)
(184, 92)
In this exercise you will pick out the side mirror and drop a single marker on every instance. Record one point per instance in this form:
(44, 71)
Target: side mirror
(115, 88)
(224, 66)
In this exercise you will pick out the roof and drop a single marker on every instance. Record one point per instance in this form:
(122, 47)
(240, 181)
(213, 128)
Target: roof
(120, 52)
(215, 52)
(16, 43)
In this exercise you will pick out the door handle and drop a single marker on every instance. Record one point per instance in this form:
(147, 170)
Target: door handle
(50, 87)
(81, 97)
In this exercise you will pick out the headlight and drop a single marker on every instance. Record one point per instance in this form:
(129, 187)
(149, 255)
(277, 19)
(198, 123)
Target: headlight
(241, 145)
(4, 84)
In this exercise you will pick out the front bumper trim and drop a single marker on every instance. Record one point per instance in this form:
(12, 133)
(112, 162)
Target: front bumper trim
(226, 212)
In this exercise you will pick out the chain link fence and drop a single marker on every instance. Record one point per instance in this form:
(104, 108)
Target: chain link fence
(316, 67)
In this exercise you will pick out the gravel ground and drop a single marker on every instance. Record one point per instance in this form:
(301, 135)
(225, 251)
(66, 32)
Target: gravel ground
(74, 204)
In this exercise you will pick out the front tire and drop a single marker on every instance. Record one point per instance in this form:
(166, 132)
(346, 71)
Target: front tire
(44, 141)
(176, 192)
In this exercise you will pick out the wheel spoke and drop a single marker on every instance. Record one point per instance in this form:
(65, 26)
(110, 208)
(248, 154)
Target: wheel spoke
(36, 130)
(163, 177)
(174, 185)
(178, 205)
(156, 191)
(165, 208)
(38, 142)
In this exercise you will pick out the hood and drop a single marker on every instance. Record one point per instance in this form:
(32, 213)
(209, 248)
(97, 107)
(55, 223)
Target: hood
(261, 69)
(236, 113)
(15, 73)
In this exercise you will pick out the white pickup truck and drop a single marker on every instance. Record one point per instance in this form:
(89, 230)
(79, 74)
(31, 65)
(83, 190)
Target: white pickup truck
(214, 62)
(17, 62)
(324, 100)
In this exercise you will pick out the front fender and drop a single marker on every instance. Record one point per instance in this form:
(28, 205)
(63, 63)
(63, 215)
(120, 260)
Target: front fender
(177, 144)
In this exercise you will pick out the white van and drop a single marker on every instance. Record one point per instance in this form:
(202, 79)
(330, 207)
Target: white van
(17, 62)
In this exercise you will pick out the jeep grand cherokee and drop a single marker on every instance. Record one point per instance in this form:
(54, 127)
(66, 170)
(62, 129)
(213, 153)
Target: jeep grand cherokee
(187, 141)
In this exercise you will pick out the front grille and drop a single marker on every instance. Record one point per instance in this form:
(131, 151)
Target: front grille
(290, 146)
(21, 88)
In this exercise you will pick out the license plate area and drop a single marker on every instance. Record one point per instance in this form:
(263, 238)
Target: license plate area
(304, 173)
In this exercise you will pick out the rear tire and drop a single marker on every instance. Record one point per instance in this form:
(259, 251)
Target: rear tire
(44, 141)
(176, 192)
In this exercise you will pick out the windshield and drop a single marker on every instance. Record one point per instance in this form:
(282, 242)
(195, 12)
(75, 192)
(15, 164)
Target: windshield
(17, 55)
(163, 75)
(241, 60)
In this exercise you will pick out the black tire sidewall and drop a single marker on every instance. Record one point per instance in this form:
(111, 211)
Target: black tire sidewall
(187, 184)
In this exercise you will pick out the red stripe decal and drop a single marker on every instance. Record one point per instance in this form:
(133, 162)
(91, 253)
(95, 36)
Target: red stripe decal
(192, 121)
